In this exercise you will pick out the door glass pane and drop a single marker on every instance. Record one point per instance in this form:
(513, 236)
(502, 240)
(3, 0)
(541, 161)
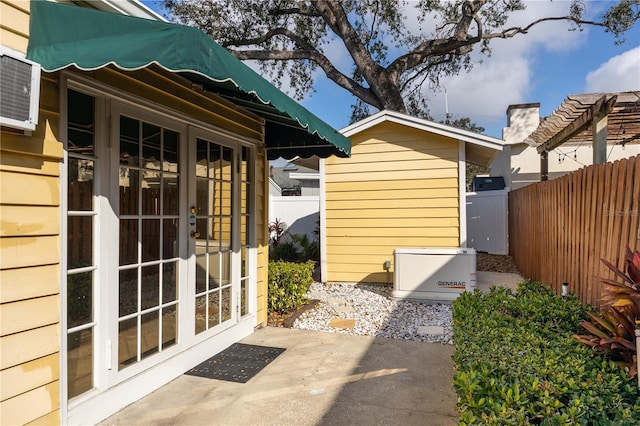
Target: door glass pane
(129, 141)
(79, 241)
(150, 192)
(128, 241)
(127, 342)
(214, 309)
(170, 197)
(244, 297)
(151, 145)
(201, 239)
(80, 362)
(214, 271)
(81, 119)
(227, 163)
(225, 268)
(129, 183)
(80, 184)
(170, 238)
(202, 185)
(79, 299)
(227, 304)
(169, 282)
(128, 292)
(216, 201)
(244, 260)
(149, 334)
(150, 291)
(225, 232)
(201, 274)
(201, 314)
(170, 152)
(150, 240)
(169, 326)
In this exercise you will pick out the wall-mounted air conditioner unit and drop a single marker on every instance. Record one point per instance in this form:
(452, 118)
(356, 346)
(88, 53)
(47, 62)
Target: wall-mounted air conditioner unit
(19, 90)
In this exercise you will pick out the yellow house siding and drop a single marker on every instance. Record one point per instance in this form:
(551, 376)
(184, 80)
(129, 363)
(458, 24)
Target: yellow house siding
(158, 86)
(29, 250)
(32, 405)
(14, 26)
(398, 189)
(43, 281)
(22, 378)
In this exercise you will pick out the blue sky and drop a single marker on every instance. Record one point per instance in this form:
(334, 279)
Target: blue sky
(544, 66)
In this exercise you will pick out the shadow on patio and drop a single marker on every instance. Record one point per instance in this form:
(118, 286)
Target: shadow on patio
(321, 378)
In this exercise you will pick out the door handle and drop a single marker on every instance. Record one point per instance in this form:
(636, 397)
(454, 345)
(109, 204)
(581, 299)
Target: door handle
(195, 234)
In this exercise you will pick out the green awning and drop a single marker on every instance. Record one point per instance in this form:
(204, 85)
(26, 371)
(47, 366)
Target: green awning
(62, 36)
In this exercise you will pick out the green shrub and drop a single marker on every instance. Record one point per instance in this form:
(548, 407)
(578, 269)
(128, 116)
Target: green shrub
(285, 251)
(294, 248)
(517, 363)
(288, 284)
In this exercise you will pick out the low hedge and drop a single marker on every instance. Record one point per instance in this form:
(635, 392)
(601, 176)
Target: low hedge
(288, 284)
(517, 363)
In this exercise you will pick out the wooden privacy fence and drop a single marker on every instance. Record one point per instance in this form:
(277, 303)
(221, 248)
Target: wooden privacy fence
(560, 229)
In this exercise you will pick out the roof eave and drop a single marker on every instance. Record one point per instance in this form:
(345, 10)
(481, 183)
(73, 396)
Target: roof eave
(424, 125)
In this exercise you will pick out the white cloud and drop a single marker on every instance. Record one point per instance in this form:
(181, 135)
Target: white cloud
(619, 74)
(484, 94)
(505, 77)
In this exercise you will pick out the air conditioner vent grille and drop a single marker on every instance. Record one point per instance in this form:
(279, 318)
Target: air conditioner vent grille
(15, 89)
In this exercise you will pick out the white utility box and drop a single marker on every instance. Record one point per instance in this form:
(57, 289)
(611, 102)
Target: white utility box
(433, 274)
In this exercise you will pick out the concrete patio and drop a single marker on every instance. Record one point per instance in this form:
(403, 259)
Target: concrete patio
(320, 379)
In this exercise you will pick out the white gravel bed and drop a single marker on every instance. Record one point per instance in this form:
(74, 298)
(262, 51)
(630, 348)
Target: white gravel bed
(375, 313)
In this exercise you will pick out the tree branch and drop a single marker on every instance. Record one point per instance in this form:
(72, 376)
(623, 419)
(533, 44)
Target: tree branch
(443, 60)
(304, 11)
(382, 87)
(318, 58)
(513, 31)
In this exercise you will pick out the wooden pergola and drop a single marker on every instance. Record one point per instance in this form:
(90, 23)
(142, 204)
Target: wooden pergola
(588, 116)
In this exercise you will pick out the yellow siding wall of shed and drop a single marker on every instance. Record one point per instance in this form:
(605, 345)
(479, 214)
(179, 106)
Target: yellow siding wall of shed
(398, 189)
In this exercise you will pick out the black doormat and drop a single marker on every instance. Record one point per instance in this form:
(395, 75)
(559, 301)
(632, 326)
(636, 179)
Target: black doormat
(238, 363)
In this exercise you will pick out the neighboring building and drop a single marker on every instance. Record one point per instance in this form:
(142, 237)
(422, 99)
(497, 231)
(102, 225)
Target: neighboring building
(295, 180)
(519, 162)
(404, 186)
(294, 197)
(133, 197)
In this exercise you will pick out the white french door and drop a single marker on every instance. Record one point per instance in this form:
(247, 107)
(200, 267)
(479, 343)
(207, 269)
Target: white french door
(213, 232)
(160, 252)
(149, 260)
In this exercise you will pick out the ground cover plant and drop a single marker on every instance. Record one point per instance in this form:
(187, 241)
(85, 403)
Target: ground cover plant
(516, 362)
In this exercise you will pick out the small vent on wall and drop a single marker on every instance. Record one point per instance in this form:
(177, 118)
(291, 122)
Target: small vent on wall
(19, 90)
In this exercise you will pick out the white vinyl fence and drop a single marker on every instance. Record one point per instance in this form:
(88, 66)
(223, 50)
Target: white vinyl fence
(301, 214)
(487, 221)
